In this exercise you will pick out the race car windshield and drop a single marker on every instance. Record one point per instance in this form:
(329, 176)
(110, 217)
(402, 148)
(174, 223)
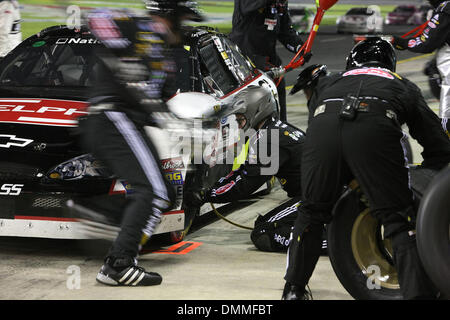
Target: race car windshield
(55, 65)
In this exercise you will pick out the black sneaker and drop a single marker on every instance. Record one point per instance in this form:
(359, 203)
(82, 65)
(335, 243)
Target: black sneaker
(113, 273)
(293, 292)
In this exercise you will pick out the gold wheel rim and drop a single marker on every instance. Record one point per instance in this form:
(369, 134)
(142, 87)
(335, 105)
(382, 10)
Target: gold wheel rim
(367, 253)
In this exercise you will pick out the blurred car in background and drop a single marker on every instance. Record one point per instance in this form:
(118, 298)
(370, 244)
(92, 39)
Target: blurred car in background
(361, 20)
(403, 14)
(423, 14)
(302, 18)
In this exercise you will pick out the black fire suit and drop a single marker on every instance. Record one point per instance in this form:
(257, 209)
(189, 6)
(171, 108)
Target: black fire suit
(257, 25)
(369, 149)
(134, 68)
(436, 36)
(281, 140)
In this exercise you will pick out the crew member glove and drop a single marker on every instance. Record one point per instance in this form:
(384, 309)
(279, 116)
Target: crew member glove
(399, 43)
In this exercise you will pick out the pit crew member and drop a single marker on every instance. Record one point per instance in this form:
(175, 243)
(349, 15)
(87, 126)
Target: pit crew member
(136, 77)
(354, 132)
(436, 36)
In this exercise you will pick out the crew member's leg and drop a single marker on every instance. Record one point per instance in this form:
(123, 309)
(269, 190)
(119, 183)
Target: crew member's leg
(323, 175)
(126, 150)
(132, 156)
(272, 230)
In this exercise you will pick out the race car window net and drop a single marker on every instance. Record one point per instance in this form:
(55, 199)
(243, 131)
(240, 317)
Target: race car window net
(50, 65)
(216, 69)
(240, 66)
(223, 66)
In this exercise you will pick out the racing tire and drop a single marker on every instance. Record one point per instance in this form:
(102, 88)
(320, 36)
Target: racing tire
(360, 257)
(433, 231)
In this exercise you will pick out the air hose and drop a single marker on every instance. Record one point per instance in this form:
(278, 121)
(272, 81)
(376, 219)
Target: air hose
(223, 218)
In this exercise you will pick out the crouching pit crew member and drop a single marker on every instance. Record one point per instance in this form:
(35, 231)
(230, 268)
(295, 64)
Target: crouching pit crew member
(354, 133)
(135, 79)
(255, 110)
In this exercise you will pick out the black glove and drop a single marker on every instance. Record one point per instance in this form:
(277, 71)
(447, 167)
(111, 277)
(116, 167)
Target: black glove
(399, 43)
(194, 198)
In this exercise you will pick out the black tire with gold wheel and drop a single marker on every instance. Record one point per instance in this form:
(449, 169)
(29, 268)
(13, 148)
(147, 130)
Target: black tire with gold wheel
(359, 255)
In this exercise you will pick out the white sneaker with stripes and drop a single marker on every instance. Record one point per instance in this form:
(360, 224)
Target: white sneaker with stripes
(130, 276)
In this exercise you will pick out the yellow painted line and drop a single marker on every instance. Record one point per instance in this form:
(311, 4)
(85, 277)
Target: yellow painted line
(415, 58)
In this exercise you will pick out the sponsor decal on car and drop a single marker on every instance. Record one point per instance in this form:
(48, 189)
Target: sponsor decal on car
(120, 187)
(76, 41)
(50, 112)
(172, 164)
(174, 177)
(10, 189)
(9, 140)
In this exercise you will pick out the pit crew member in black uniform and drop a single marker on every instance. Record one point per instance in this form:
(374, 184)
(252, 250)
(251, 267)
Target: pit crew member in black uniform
(436, 36)
(10, 34)
(255, 110)
(135, 78)
(354, 132)
(257, 25)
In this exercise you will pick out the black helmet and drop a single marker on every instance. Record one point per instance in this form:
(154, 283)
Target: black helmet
(373, 51)
(255, 103)
(308, 77)
(435, 3)
(175, 9)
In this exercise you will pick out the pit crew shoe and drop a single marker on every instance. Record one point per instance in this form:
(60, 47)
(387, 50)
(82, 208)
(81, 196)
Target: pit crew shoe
(293, 292)
(114, 273)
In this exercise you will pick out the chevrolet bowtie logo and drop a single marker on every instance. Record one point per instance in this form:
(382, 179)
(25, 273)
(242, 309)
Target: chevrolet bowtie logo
(8, 140)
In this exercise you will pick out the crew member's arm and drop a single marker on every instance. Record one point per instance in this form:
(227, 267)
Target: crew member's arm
(288, 36)
(432, 38)
(6, 22)
(240, 184)
(425, 127)
(135, 57)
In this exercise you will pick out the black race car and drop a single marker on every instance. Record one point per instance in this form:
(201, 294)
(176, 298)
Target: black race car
(43, 89)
